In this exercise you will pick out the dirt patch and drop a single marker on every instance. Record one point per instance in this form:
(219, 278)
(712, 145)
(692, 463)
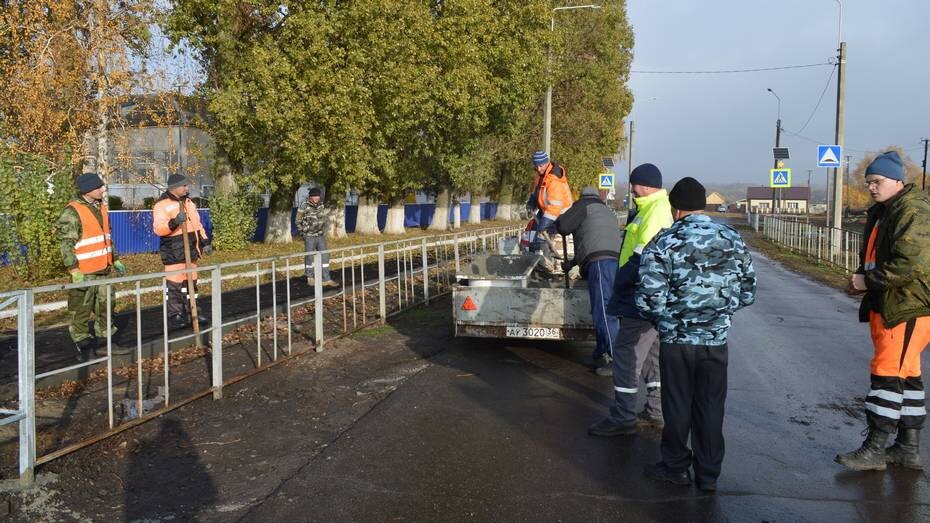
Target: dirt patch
(212, 460)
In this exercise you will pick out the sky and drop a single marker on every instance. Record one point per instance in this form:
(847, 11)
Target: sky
(720, 128)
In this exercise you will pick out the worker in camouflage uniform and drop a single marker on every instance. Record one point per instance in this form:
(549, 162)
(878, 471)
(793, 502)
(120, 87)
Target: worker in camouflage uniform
(693, 277)
(311, 223)
(88, 253)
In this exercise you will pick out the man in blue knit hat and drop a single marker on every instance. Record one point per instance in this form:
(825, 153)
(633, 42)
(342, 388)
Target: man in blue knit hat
(894, 276)
(550, 195)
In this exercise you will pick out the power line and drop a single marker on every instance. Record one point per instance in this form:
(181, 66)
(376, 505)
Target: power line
(730, 71)
(819, 101)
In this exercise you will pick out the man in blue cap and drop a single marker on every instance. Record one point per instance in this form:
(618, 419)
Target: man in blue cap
(894, 276)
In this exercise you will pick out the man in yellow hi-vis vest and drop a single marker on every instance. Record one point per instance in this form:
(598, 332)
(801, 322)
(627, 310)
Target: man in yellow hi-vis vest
(88, 253)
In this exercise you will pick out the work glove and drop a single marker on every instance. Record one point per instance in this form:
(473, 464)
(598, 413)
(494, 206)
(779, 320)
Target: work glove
(176, 222)
(207, 250)
(120, 267)
(77, 276)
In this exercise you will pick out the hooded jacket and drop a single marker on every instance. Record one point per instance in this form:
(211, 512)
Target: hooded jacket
(594, 229)
(899, 283)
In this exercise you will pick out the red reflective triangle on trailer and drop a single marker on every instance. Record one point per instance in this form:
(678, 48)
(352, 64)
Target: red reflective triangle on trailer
(469, 304)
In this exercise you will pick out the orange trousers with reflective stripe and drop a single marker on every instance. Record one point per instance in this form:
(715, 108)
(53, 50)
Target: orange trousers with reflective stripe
(898, 349)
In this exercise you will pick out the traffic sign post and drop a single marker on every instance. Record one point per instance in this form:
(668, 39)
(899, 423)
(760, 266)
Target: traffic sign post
(779, 178)
(606, 181)
(829, 155)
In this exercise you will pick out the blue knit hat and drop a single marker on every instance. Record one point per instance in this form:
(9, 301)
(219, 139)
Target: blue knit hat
(648, 175)
(540, 158)
(887, 164)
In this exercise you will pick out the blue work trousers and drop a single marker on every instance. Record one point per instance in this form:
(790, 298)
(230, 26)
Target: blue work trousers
(600, 274)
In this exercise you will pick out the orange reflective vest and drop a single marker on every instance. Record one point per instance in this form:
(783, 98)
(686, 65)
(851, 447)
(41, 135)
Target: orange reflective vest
(555, 196)
(94, 251)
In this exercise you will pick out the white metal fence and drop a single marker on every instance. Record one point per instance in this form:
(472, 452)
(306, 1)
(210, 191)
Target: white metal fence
(837, 247)
(375, 282)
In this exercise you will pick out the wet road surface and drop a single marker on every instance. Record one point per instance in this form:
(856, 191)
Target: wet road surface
(495, 430)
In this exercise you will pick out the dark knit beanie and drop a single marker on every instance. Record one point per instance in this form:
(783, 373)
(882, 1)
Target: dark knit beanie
(314, 191)
(88, 182)
(887, 164)
(688, 195)
(648, 175)
(177, 180)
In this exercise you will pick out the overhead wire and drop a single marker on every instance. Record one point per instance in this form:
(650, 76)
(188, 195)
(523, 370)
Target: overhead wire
(732, 71)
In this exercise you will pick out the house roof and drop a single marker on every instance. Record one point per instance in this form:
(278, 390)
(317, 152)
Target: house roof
(716, 198)
(790, 193)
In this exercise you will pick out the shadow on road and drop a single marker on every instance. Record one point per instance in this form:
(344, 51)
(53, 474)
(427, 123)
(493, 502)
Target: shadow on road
(178, 489)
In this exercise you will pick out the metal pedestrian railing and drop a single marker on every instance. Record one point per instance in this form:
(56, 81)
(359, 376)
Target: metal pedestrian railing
(837, 247)
(374, 280)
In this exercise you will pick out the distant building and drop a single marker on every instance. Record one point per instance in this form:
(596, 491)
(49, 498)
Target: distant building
(716, 202)
(147, 144)
(792, 200)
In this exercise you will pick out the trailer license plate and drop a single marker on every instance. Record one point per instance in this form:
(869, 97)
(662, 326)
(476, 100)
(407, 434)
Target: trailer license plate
(534, 332)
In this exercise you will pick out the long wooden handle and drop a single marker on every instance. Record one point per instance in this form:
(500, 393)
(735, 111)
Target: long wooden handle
(190, 278)
(565, 258)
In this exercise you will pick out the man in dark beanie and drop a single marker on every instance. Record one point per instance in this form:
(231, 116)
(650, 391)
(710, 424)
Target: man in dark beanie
(635, 355)
(596, 236)
(89, 254)
(693, 277)
(894, 275)
(174, 211)
(312, 224)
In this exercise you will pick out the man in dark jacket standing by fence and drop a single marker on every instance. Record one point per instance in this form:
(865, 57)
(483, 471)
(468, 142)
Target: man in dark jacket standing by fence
(597, 238)
(311, 223)
(89, 254)
(693, 277)
(895, 276)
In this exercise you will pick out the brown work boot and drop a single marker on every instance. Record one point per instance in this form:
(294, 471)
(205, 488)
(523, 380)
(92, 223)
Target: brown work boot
(906, 450)
(870, 456)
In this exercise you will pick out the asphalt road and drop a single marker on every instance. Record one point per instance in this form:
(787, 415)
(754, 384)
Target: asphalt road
(497, 431)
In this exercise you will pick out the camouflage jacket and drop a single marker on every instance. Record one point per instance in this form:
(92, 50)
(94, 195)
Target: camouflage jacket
(311, 219)
(69, 232)
(693, 277)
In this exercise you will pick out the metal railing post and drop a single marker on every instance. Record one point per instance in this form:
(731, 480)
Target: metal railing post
(318, 299)
(109, 291)
(455, 243)
(216, 343)
(425, 255)
(382, 292)
(27, 388)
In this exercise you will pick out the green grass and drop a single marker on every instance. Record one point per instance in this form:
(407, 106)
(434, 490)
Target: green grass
(375, 332)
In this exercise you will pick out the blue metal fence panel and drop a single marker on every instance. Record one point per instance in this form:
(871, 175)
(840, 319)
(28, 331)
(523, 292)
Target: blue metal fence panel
(132, 230)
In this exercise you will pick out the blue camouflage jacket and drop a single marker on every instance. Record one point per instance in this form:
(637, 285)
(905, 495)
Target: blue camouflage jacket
(693, 277)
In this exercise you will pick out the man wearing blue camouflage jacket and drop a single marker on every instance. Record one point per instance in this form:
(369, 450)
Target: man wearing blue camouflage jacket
(693, 277)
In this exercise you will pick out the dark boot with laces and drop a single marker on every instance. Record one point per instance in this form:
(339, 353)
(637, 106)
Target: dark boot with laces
(870, 456)
(906, 450)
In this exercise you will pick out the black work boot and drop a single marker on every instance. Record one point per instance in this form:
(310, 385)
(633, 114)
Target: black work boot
(870, 456)
(906, 450)
(84, 348)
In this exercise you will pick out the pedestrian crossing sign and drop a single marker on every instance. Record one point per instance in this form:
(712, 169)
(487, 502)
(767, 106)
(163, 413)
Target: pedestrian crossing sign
(606, 181)
(780, 178)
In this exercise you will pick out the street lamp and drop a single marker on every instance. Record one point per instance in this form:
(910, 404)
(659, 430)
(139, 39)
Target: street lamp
(777, 138)
(547, 129)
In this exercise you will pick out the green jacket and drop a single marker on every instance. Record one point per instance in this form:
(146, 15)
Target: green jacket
(899, 283)
(69, 232)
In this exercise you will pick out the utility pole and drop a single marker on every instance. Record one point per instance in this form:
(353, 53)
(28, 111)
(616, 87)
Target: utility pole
(777, 140)
(810, 195)
(846, 186)
(629, 171)
(840, 138)
(923, 184)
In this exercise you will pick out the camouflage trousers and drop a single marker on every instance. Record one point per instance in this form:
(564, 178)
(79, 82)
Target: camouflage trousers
(82, 303)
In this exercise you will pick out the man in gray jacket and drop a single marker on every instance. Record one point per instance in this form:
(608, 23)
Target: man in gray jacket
(596, 235)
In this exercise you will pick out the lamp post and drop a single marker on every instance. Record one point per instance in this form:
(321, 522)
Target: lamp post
(777, 139)
(547, 111)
